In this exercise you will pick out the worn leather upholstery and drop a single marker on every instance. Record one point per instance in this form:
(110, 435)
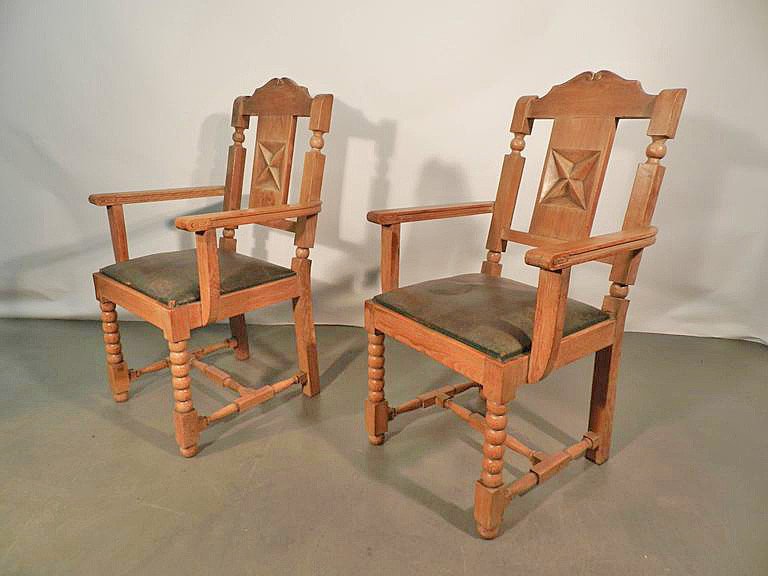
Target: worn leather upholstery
(493, 315)
(172, 276)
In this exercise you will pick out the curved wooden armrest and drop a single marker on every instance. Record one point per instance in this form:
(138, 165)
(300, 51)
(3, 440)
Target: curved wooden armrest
(418, 213)
(567, 254)
(232, 218)
(555, 261)
(116, 198)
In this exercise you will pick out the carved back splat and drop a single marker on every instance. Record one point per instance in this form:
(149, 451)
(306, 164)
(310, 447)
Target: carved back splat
(277, 105)
(585, 110)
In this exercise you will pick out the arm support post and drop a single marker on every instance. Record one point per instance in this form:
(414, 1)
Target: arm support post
(209, 276)
(390, 221)
(555, 262)
(114, 204)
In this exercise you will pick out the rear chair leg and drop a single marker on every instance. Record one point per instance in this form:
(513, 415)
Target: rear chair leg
(306, 339)
(117, 369)
(489, 498)
(185, 417)
(376, 408)
(239, 330)
(603, 400)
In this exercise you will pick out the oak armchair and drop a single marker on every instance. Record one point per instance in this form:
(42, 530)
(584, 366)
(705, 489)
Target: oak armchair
(502, 334)
(184, 290)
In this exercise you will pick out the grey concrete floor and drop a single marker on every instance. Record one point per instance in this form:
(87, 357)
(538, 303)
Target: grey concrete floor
(92, 487)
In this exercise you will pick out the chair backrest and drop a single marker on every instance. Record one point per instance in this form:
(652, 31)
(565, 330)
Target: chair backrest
(586, 111)
(277, 105)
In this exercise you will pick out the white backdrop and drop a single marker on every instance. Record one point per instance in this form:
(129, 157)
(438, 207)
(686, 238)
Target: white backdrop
(111, 96)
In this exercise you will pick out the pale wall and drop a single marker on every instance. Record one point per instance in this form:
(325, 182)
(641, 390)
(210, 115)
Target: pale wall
(109, 96)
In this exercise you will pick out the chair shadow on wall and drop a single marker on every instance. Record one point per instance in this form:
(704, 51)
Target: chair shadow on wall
(694, 200)
(700, 194)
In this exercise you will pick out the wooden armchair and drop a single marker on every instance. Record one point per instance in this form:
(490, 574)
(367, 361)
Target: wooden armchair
(501, 334)
(183, 290)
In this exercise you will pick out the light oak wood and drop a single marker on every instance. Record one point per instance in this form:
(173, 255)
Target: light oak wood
(239, 330)
(567, 254)
(209, 274)
(551, 299)
(306, 340)
(276, 105)
(118, 198)
(117, 231)
(185, 417)
(232, 218)
(390, 257)
(606, 371)
(273, 158)
(420, 213)
(376, 408)
(585, 112)
(117, 369)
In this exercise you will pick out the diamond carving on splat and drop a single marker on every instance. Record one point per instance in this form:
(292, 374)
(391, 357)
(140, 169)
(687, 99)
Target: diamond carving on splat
(569, 176)
(272, 154)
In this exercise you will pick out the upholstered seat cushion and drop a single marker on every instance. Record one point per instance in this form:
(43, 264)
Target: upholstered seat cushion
(493, 315)
(172, 276)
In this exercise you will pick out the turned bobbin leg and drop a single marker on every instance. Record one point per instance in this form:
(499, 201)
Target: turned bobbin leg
(117, 369)
(376, 408)
(239, 330)
(489, 499)
(185, 417)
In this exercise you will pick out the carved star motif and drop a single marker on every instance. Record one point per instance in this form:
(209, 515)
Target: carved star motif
(572, 169)
(272, 154)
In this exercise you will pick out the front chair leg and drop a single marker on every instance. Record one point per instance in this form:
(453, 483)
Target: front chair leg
(117, 369)
(489, 496)
(185, 419)
(376, 408)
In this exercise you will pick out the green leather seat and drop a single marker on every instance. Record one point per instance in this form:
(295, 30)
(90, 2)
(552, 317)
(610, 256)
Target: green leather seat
(172, 276)
(492, 315)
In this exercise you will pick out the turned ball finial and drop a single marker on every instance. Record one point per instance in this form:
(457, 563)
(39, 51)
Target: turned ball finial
(302, 252)
(494, 257)
(316, 141)
(518, 142)
(238, 137)
(657, 149)
(619, 290)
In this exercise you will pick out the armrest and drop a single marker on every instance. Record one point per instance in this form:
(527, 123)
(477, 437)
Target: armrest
(232, 218)
(390, 221)
(418, 213)
(564, 255)
(116, 198)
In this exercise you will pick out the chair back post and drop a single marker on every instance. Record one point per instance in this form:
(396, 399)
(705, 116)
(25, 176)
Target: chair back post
(585, 110)
(233, 186)
(665, 116)
(277, 105)
(509, 185)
